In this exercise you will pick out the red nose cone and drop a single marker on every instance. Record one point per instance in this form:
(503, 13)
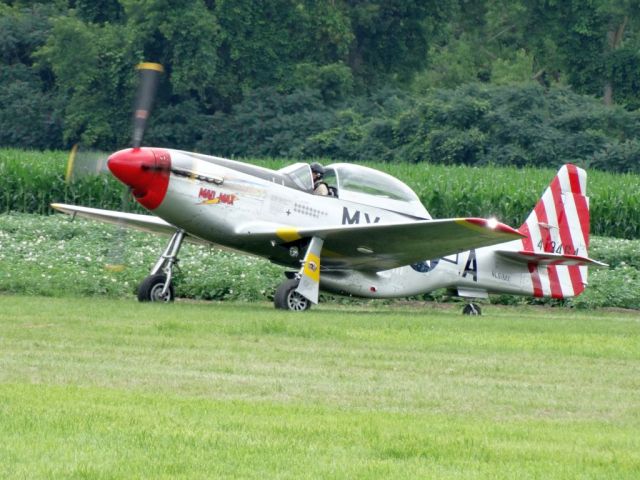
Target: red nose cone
(145, 170)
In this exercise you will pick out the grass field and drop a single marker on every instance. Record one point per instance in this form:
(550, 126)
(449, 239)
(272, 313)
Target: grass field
(104, 388)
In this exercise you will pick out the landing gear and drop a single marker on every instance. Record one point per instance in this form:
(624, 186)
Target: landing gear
(286, 297)
(302, 288)
(472, 309)
(152, 289)
(157, 286)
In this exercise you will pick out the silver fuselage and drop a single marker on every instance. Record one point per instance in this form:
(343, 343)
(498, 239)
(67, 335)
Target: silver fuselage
(254, 197)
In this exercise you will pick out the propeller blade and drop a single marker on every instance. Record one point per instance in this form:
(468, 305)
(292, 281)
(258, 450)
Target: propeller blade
(116, 254)
(149, 75)
(70, 163)
(83, 163)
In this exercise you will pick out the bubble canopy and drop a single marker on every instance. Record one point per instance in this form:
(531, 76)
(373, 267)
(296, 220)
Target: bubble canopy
(363, 185)
(371, 187)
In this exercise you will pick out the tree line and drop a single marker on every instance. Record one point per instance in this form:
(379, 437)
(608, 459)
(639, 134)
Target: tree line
(525, 82)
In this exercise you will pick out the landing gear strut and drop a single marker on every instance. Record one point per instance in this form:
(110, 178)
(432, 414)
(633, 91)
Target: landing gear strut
(302, 288)
(157, 286)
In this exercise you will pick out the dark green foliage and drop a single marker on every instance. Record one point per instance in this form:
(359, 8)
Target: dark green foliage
(624, 65)
(30, 112)
(342, 140)
(367, 80)
(620, 157)
(29, 115)
(267, 123)
(392, 36)
(23, 31)
(99, 11)
(178, 125)
(334, 81)
(591, 46)
(216, 54)
(97, 82)
(471, 125)
(262, 42)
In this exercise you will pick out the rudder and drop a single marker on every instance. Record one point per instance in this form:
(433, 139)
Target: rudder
(559, 223)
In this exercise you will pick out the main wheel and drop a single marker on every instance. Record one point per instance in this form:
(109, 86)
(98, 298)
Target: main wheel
(286, 297)
(471, 309)
(150, 290)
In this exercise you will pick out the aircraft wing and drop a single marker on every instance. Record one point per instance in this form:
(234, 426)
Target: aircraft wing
(146, 223)
(376, 247)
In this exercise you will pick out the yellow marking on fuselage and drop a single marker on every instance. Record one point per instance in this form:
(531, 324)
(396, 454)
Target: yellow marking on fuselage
(288, 234)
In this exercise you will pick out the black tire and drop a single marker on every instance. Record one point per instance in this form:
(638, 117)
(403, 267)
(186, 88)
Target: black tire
(151, 288)
(472, 309)
(286, 297)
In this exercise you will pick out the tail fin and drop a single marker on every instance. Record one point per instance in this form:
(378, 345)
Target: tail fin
(559, 224)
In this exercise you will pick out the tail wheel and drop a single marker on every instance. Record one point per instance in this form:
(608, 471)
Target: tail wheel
(286, 297)
(472, 309)
(150, 290)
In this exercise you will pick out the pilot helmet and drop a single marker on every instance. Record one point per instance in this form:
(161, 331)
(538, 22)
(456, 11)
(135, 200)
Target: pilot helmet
(317, 168)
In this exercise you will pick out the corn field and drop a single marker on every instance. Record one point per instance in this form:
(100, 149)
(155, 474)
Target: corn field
(30, 181)
(510, 193)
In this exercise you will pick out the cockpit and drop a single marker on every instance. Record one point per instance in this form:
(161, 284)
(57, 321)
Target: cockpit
(362, 185)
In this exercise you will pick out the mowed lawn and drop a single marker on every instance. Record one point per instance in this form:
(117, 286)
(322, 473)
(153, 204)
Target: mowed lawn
(100, 388)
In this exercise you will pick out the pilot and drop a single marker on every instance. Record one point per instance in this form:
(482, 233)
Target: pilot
(319, 187)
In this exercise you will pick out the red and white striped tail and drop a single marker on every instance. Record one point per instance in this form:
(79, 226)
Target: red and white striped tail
(559, 224)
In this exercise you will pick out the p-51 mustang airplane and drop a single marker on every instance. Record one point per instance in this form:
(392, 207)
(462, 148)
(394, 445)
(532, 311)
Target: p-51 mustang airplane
(369, 238)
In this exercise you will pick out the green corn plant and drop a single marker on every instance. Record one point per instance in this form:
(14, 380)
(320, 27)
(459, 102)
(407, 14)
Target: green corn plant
(30, 181)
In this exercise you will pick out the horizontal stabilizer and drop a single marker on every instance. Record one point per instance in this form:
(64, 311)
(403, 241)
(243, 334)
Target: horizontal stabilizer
(547, 258)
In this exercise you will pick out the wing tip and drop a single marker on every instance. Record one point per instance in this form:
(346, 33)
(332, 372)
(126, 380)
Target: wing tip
(60, 207)
(490, 224)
